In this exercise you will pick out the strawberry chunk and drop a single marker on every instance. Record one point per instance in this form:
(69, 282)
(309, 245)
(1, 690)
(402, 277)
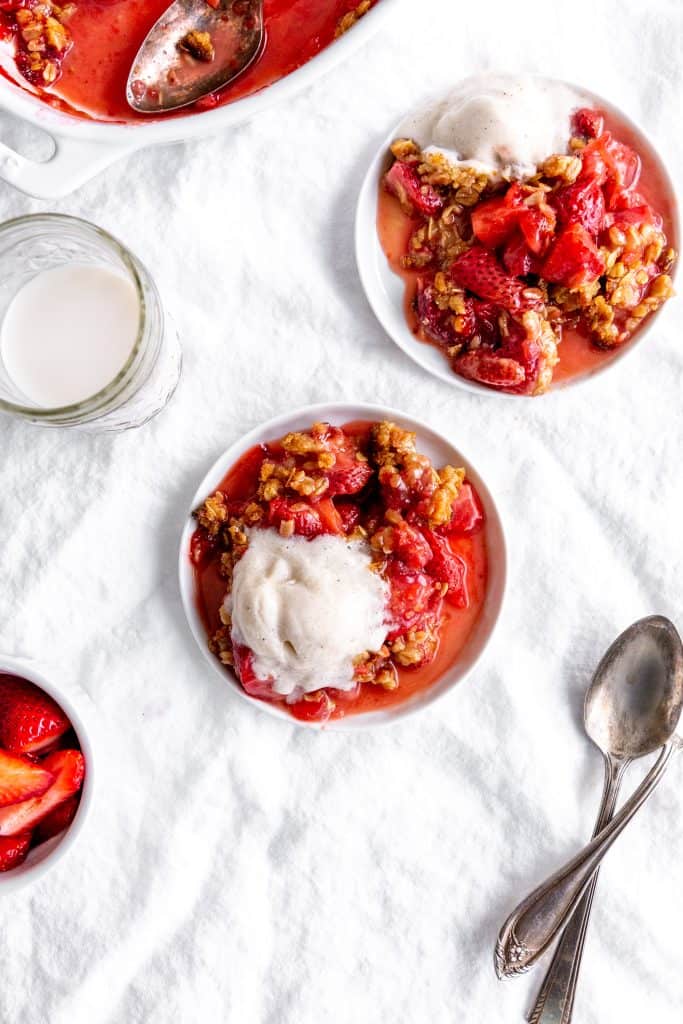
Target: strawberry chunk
(68, 770)
(409, 545)
(306, 519)
(412, 597)
(447, 567)
(403, 181)
(57, 821)
(314, 707)
(574, 259)
(494, 220)
(442, 324)
(29, 719)
(479, 271)
(581, 203)
(348, 475)
(518, 258)
(330, 518)
(589, 123)
(467, 516)
(21, 779)
(14, 850)
(485, 367)
(537, 224)
(349, 515)
(244, 668)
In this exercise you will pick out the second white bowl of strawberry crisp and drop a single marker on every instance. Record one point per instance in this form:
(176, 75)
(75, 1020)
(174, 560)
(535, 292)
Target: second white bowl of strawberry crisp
(517, 235)
(342, 566)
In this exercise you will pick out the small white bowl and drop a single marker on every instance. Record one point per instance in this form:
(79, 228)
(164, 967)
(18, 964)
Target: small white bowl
(441, 451)
(385, 289)
(76, 705)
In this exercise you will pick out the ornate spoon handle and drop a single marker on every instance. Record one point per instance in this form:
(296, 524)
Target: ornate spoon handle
(555, 1000)
(531, 928)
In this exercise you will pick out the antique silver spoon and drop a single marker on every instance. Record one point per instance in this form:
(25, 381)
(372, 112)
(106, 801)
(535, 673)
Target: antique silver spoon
(632, 708)
(196, 47)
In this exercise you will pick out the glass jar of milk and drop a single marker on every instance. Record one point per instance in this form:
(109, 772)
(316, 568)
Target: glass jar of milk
(84, 339)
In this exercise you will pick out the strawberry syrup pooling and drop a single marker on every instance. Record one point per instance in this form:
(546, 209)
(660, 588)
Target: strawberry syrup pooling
(647, 197)
(104, 36)
(453, 618)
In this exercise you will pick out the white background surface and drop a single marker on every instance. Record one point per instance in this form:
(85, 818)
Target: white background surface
(243, 870)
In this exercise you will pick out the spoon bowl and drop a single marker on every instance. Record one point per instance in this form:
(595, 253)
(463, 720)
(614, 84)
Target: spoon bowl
(634, 701)
(195, 48)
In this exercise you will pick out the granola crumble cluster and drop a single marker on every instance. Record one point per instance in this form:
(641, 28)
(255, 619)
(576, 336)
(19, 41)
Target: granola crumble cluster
(371, 485)
(349, 19)
(42, 38)
(505, 266)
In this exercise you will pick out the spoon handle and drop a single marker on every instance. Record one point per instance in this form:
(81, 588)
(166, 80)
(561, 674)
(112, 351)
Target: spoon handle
(555, 1000)
(531, 928)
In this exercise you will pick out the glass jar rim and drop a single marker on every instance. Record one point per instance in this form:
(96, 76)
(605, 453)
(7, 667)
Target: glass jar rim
(102, 397)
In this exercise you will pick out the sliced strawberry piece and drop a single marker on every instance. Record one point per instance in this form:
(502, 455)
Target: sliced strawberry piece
(589, 123)
(518, 258)
(307, 521)
(409, 545)
(330, 518)
(244, 669)
(68, 768)
(447, 567)
(412, 597)
(479, 271)
(574, 259)
(58, 820)
(467, 516)
(348, 475)
(29, 719)
(581, 203)
(403, 181)
(349, 515)
(14, 850)
(486, 367)
(494, 220)
(314, 707)
(537, 224)
(21, 779)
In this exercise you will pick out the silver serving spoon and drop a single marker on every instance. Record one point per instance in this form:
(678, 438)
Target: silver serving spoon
(196, 47)
(632, 709)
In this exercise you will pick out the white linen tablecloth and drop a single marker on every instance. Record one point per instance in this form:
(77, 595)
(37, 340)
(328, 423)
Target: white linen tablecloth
(243, 870)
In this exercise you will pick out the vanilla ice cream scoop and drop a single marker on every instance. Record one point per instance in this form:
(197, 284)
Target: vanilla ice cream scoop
(307, 608)
(502, 125)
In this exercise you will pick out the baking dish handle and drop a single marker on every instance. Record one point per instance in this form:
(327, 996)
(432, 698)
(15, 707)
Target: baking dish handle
(72, 163)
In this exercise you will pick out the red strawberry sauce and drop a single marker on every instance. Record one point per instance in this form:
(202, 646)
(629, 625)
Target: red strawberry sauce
(240, 484)
(578, 357)
(107, 34)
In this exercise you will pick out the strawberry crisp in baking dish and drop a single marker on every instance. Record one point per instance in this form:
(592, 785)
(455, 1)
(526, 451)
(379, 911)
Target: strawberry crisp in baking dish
(77, 55)
(526, 265)
(337, 571)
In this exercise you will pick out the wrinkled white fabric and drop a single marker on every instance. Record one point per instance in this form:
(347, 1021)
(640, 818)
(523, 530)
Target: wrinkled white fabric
(243, 870)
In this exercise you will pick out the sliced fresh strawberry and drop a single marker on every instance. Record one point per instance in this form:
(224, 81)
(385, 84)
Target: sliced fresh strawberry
(589, 123)
(447, 567)
(29, 719)
(581, 203)
(314, 707)
(479, 271)
(244, 669)
(467, 516)
(518, 258)
(68, 768)
(21, 779)
(403, 181)
(58, 820)
(14, 850)
(574, 259)
(486, 367)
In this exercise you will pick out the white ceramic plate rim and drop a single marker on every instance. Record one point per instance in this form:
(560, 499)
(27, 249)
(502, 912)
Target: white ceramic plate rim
(428, 438)
(384, 289)
(78, 708)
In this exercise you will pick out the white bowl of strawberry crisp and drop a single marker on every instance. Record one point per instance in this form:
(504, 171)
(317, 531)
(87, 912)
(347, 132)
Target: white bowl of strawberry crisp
(517, 236)
(342, 566)
(46, 771)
